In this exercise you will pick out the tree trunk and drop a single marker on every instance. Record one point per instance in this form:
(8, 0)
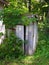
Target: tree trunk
(29, 5)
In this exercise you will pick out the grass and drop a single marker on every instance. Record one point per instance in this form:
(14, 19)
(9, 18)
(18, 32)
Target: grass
(28, 60)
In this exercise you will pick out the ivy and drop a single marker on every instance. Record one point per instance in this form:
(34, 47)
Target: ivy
(15, 16)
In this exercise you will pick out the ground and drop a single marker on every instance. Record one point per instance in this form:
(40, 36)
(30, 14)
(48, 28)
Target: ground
(29, 60)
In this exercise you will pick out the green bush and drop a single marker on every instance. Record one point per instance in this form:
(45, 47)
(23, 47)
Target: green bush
(11, 47)
(1, 34)
(43, 41)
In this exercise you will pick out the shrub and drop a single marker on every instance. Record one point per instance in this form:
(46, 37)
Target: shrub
(11, 47)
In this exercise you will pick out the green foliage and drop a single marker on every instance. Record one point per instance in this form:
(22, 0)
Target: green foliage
(47, 1)
(13, 16)
(1, 13)
(43, 42)
(11, 47)
(16, 9)
(38, 7)
(26, 20)
(1, 34)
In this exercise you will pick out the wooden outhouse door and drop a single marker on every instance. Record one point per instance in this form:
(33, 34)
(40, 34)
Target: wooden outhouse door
(30, 36)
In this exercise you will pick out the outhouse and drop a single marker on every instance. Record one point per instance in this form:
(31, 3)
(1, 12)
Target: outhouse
(29, 34)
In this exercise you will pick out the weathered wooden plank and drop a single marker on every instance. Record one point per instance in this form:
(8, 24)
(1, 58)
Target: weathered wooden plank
(20, 33)
(29, 38)
(35, 39)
